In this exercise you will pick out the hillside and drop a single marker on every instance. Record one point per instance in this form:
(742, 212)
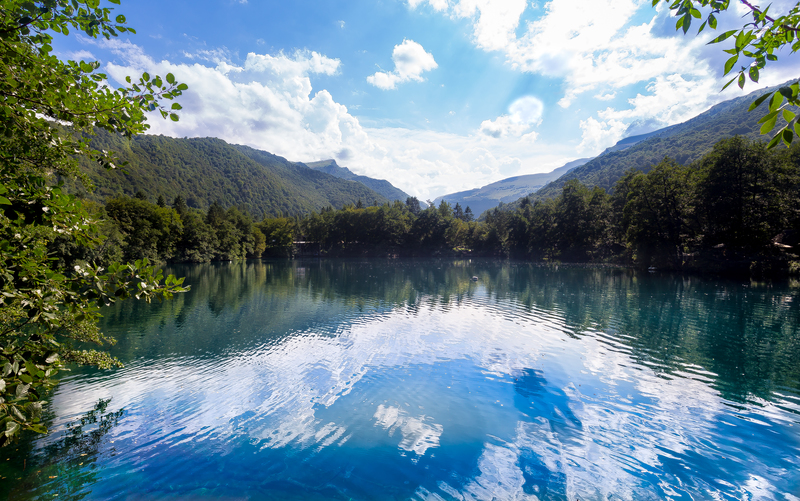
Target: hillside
(380, 186)
(205, 170)
(685, 143)
(506, 190)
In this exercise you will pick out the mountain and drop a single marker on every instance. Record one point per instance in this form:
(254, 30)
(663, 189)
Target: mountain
(685, 143)
(506, 190)
(381, 186)
(205, 170)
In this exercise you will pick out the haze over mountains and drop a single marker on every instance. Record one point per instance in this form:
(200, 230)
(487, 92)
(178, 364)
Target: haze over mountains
(684, 143)
(207, 170)
(506, 190)
(385, 188)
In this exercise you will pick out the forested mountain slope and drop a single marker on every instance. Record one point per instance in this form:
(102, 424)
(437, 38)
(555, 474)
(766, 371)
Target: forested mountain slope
(381, 186)
(208, 170)
(683, 142)
(506, 190)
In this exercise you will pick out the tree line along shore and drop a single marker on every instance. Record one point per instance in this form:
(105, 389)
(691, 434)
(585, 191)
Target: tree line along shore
(735, 210)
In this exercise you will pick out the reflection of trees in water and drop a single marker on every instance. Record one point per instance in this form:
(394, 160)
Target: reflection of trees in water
(67, 466)
(747, 335)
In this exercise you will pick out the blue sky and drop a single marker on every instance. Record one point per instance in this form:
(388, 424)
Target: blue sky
(436, 96)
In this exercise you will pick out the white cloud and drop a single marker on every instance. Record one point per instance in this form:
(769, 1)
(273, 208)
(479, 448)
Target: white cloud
(600, 44)
(268, 102)
(600, 134)
(524, 113)
(81, 55)
(605, 97)
(410, 61)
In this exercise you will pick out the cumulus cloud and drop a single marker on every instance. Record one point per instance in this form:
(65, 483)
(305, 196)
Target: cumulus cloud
(410, 61)
(602, 44)
(267, 102)
(605, 97)
(600, 134)
(524, 113)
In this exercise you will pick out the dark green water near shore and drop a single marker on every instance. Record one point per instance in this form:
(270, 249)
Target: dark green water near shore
(406, 379)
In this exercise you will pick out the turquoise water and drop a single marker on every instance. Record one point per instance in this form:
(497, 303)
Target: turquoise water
(378, 379)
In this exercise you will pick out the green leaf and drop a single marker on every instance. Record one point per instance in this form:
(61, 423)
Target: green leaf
(712, 21)
(786, 92)
(176, 106)
(754, 73)
(741, 80)
(769, 116)
(146, 76)
(727, 84)
(758, 101)
(722, 37)
(776, 101)
(729, 63)
(17, 413)
(182, 86)
(774, 142)
(39, 428)
(22, 390)
(787, 135)
(174, 117)
(769, 125)
(4, 201)
(788, 115)
(170, 78)
(11, 428)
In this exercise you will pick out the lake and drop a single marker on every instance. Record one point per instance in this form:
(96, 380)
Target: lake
(405, 379)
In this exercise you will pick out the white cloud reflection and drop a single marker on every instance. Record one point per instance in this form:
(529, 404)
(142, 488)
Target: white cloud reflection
(290, 394)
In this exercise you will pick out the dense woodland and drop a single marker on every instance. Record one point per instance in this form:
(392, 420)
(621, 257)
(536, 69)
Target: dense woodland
(685, 143)
(737, 209)
(207, 170)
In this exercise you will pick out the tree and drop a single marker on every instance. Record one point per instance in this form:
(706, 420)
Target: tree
(468, 216)
(458, 212)
(48, 111)
(413, 205)
(755, 44)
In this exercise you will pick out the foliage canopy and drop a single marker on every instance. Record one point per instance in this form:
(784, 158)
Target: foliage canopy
(754, 45)
(48, 111)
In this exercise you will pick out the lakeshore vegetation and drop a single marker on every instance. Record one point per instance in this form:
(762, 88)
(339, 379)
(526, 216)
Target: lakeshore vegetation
(736, 209)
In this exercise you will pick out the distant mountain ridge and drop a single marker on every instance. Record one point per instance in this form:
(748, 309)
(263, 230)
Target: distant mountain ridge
(506, 190)
(208, 170)
(684, 142)
(380, 186)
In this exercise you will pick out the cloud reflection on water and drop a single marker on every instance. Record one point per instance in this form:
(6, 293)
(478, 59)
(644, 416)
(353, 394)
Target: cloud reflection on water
(550, 415)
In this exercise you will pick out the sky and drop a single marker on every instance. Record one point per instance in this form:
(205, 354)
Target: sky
(436, 96)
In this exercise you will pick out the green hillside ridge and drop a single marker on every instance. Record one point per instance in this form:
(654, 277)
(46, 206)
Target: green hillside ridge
(506, 190)
(208, 170)
(381, 186)
(684, 143)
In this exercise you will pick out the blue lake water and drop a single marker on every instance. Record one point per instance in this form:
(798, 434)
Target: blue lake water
(395, 379)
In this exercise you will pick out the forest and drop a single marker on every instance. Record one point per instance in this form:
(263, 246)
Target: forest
(734, 210)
